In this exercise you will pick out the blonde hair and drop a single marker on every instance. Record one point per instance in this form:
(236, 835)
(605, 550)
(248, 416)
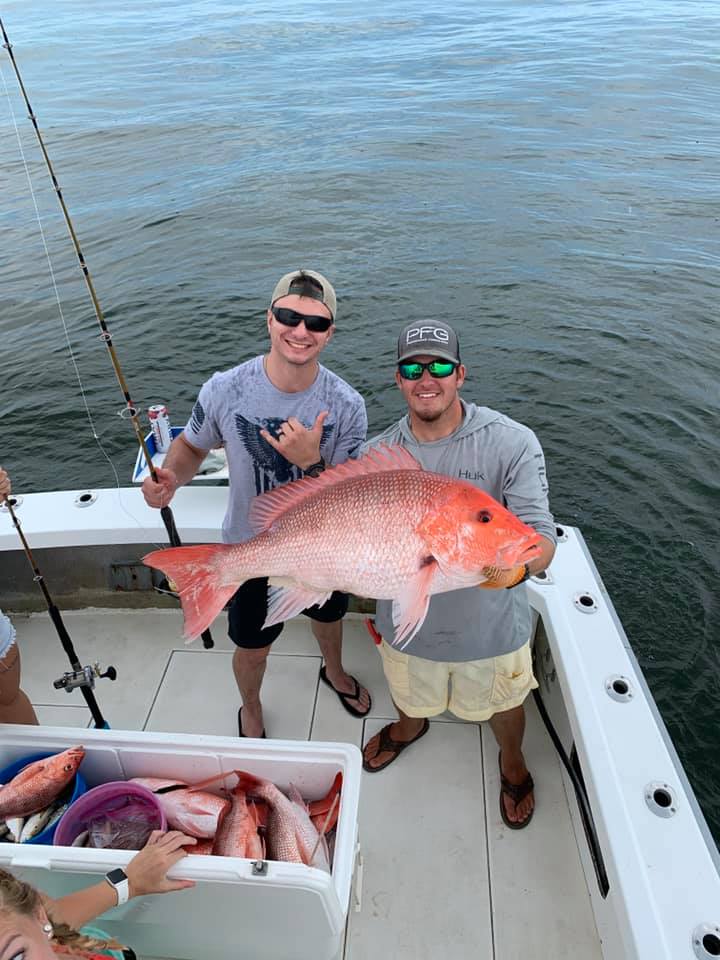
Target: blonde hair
(20, 897)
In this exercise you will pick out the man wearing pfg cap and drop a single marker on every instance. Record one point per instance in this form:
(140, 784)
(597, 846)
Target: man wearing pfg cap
(472, 653)
(280, 417)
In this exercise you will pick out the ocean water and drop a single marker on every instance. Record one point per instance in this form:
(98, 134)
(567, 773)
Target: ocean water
(543, 175)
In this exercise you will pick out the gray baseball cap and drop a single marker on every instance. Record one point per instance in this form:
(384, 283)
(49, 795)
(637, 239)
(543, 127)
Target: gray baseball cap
(432, 337)
(296, 282)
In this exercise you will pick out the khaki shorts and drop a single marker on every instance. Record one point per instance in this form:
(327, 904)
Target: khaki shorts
(472, 690)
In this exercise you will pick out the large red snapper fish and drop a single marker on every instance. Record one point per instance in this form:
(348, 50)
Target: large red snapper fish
(379, 527)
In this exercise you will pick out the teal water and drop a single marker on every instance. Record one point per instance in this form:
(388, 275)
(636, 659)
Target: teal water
(541, 174)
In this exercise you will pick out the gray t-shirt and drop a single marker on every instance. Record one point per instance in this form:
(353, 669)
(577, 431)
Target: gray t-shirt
(235, 405)
(503, 458)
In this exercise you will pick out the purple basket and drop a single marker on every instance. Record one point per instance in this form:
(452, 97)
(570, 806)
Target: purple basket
(107, 799)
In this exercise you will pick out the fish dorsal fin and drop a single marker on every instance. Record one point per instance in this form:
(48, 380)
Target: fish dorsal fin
(268, 507)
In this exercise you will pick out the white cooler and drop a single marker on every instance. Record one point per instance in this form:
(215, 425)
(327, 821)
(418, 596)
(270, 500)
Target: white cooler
(286, 912)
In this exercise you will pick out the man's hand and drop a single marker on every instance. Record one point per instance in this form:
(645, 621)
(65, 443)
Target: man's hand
(160, 494)
(296, 443)
(5, 486)
(147, 871)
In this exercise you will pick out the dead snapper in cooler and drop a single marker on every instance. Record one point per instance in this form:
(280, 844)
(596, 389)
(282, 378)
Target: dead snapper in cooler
(195, 812)
(238, 834)
(290, 832)
(379, 527)
(38, 784)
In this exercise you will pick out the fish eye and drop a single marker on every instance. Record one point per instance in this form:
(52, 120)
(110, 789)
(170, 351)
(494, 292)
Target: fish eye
(67, 768)
(485, 516)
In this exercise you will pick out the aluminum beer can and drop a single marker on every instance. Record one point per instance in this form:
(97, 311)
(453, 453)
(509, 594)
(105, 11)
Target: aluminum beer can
(160, 426)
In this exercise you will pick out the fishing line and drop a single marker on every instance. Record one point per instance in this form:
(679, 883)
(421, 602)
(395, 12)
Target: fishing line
(130, 409)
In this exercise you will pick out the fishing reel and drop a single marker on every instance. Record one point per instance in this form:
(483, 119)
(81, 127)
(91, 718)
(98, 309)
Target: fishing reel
(84, 677)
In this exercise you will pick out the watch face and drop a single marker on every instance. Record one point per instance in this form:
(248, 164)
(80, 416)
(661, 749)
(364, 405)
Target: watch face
(116, 876)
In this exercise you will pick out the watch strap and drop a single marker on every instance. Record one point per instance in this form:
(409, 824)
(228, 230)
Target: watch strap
(121, 885)
(315, 469)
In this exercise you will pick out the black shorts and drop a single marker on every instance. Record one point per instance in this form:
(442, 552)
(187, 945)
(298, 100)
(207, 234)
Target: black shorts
(248, 609)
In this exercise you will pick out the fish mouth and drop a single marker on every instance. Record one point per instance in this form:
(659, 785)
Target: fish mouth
(522, 552)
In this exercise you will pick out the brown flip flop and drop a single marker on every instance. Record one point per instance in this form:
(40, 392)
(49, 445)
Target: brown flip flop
(517, 793)
(395, 747)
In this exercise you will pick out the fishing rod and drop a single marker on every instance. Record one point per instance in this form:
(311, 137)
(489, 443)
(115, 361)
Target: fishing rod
(82, 677)
(165, 512)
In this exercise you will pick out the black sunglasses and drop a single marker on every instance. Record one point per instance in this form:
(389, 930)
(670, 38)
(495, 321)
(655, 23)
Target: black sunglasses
(436, 368)
(290, 318)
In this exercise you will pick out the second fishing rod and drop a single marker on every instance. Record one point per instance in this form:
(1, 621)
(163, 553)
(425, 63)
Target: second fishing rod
(165, 511)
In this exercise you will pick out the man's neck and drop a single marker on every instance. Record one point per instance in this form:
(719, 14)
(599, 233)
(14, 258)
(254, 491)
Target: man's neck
(426, 431)
(289, 377)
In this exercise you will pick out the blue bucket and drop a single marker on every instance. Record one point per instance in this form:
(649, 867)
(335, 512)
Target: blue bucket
(79, 787)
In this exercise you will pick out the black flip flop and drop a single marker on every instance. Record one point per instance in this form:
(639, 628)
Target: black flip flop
(345, 697)
(388, 745)
(517, 793)
(263, 735)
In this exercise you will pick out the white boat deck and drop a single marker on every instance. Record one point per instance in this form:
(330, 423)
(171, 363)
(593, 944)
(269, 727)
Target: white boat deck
(443, 876)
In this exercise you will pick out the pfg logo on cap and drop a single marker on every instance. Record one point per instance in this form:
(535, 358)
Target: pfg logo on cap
(425, 333)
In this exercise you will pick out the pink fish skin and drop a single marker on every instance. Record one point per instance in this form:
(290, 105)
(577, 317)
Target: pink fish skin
(196, 813)
(290, 833)
(38, 784)
(379, 527)
(238, 836)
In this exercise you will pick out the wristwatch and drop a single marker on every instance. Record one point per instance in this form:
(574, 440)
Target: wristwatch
(315, 469)
(523, 578)
(119, 882)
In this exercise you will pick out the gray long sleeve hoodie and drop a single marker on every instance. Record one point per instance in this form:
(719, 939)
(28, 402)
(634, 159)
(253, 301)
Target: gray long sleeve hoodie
(503, 458)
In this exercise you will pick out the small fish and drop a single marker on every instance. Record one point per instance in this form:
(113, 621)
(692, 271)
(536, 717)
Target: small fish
(81, 840)
(15, 825)
(42, 821)
(195, 812)
(38, 784)
(379, 527)
(35, 824)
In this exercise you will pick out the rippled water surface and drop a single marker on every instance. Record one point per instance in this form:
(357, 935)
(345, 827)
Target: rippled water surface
(542, 175)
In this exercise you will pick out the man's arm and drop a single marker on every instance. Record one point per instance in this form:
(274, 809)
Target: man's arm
(179, 467)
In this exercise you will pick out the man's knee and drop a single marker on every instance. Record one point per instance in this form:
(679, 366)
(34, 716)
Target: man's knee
(250, 656)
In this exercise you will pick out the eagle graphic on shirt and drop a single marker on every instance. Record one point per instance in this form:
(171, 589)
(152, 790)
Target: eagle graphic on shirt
(270, 468)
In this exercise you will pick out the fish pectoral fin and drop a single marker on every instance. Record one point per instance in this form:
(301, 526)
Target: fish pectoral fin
(287, 601)
(410, 608)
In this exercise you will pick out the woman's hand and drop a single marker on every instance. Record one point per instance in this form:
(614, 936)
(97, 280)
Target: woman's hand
(147, 871)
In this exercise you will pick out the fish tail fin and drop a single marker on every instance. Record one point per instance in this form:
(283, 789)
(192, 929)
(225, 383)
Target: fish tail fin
(248, 781)
(197, 572)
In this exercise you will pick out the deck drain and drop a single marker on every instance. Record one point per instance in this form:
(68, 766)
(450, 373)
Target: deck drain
(660, 798)
(14, 502)
(561, 534)
(706, 940)
(619, 688)
(585, 602)
(86, 499)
